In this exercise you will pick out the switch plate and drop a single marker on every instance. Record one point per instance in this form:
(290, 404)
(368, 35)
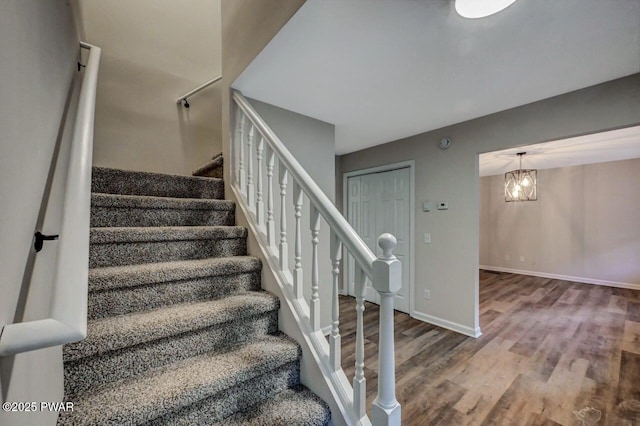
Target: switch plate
(427, 206)
(427, 238)
(427, 294)
(443, 205)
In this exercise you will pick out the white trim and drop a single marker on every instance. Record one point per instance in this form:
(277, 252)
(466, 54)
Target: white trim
(326, 330)
(411, 165)
(563, 277)
(453, 326)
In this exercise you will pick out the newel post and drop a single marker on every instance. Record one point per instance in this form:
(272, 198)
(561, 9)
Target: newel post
(387, 280)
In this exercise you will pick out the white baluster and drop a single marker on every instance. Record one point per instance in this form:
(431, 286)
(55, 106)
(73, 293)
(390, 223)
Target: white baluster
(250, 191)
(297, 269)
(259, 201)
(241, 170)
(234, 149)
(271, 229)
(315, 297)
(387, 280)
(335, 344)
(359, 381)
(284, 251)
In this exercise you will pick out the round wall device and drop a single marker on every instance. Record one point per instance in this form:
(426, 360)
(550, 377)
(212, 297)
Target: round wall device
(444, 143)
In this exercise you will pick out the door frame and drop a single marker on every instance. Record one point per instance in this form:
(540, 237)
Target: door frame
(411, 165)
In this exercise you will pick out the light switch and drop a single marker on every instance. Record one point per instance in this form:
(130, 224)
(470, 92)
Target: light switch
(443, 205)
(427, 206)
(427, 238)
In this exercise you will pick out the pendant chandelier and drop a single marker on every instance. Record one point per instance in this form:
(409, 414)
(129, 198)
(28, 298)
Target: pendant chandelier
(520, 185)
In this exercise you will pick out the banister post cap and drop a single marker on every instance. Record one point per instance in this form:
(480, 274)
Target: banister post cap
(387, 242)
(387, 269)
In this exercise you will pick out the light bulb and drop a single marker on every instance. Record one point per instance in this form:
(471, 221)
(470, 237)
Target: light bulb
(525, 182)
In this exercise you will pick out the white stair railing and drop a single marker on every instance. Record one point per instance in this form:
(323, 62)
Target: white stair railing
(384, 271)
(67, 319)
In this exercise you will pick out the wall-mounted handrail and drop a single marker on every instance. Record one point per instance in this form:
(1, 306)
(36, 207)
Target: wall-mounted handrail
(254, 147)
(183, 99)
(358, 249)
(68, 308)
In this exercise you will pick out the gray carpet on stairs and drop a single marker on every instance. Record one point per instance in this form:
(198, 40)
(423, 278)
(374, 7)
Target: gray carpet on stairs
(213, 168)
(138, 210)
(179, 331)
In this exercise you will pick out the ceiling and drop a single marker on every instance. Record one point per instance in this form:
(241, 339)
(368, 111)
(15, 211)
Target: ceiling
(621, 144)
(382, 70)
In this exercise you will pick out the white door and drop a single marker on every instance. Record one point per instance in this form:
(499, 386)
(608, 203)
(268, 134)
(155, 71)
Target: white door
(379, 203)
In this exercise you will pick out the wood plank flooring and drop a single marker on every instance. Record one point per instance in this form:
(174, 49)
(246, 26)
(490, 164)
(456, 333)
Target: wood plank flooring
(549, 350)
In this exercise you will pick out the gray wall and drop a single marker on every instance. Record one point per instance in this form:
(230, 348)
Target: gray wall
(584, 224)
(311, 141)
(449, 265)
(38, 55)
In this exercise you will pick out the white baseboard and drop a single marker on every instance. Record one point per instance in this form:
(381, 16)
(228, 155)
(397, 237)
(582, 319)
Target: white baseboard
(453, 326)
(562, 277)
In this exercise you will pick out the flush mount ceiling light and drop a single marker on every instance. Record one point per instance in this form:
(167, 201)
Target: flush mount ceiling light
(520, 185)
(481, 8)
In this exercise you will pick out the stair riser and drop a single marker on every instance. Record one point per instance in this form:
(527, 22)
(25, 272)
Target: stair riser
(134, 253)
(83, 374)
(126, 216)
(124, 182)
(139, 298)
(240, 397)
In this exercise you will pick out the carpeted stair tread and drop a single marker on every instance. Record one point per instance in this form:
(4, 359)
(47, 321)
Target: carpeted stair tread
(120, 290)
(296, 406)
(153, 202)
(87, 374)
(164, 233)
(115, 181)
(213, 168)
(142, 210)
(165, 390)
(112, 333)
(137, 245)
(111, 277)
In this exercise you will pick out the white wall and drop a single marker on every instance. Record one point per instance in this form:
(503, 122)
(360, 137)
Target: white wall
(449, 265)
(583, 225)
(38, 55)
(152, 53)
(312, 143)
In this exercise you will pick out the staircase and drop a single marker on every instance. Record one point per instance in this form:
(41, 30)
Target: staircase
(179, 331)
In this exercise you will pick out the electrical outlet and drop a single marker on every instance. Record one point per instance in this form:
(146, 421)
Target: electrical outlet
(506, 257)
(427, 294)
(521, 258)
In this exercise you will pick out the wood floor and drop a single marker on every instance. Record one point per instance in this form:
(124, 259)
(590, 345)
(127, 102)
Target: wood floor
(548, 348)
